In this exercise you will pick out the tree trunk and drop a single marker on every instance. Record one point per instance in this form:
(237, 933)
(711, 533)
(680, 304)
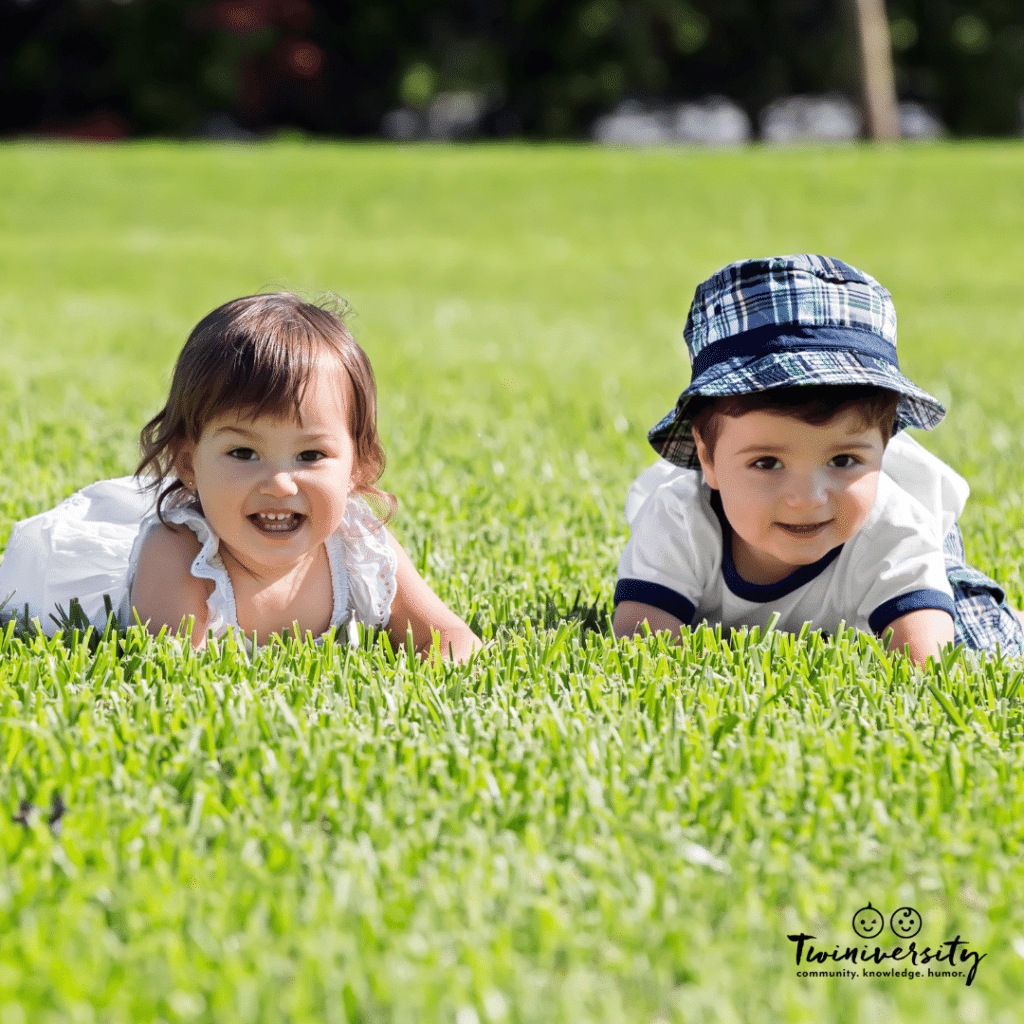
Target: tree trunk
(878, 93)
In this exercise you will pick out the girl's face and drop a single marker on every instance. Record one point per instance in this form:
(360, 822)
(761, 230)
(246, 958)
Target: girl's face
(274, 490)
(792, 491)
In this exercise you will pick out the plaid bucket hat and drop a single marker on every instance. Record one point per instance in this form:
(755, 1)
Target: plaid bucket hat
(785, 321)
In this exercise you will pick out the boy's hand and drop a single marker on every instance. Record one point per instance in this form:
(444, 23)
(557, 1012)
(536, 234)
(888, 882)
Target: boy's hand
(922, 633)
(631, 615)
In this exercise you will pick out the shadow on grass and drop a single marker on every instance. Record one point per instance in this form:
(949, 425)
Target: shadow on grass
(73, 624)
(549, 613)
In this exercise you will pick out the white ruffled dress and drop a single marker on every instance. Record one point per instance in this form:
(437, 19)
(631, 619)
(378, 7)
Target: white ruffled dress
(88, 548)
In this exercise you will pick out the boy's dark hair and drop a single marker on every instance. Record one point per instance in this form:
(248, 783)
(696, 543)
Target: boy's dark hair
(816, 404)
(257, 354)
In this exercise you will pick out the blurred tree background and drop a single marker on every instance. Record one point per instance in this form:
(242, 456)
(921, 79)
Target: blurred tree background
(541, 69)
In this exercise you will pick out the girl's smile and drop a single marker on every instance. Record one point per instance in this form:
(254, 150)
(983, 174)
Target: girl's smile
(277, 522)
(792, 491)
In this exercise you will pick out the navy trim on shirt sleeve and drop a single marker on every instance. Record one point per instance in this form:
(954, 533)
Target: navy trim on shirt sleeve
(657, 596)
(891, 610)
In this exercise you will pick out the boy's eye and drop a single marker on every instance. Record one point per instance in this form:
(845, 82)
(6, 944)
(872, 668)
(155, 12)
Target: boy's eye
(243, 454)
(311, 455)
(766, 462)
(845, 461)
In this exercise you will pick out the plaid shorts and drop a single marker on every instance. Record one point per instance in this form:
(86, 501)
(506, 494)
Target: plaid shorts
(982, 620)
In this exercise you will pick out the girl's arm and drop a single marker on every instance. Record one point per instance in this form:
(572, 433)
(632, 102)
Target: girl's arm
(418, 608)
(631, 615)
(165, 593)
(921, 633)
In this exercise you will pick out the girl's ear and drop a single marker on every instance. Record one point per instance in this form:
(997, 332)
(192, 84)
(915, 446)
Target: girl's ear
(184, 464)
(358, 479)
(706, 463)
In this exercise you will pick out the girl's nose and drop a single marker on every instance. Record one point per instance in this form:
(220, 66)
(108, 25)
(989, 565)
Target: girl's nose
(278, 484)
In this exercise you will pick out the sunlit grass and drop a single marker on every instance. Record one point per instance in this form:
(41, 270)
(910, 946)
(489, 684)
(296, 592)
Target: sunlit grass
(568, 829)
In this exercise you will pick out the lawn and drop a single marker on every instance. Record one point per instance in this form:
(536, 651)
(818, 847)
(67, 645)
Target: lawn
(568, 829)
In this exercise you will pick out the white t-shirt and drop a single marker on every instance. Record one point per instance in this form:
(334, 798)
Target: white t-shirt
(677, 558)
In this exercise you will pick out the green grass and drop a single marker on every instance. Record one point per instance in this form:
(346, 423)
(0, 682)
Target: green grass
(568, 829)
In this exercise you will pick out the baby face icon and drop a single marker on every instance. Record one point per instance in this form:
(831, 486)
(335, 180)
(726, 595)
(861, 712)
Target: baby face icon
(905, 922)
(868, 922)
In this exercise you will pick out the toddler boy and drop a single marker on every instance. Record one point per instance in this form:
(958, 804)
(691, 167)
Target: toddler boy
(786, 484)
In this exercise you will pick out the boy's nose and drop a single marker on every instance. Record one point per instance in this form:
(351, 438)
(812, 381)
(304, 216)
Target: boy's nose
(806, 490)
(279, 484)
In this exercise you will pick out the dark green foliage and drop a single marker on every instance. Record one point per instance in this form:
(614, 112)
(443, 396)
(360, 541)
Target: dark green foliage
(966, 59)
(156, 67)
(547, 69)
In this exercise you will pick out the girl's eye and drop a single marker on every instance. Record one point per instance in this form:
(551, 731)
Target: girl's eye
(845, 461)
(311, 456)
(767, 462)
(243, 454)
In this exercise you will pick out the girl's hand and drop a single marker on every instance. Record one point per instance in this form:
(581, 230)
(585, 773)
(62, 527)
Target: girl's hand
(416, 607)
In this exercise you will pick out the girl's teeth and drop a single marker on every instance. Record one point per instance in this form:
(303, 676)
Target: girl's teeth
(277, 521)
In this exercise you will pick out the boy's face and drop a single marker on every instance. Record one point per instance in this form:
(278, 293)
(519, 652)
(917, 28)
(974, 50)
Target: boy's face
(792, 491)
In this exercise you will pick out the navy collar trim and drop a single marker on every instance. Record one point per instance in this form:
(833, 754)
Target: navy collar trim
(762, 593)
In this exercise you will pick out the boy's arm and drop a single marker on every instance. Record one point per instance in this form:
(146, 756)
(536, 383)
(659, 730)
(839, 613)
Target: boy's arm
(631, 615)
(921, 633)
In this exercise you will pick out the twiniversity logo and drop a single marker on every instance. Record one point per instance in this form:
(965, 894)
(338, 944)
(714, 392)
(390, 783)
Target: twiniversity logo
(952, 958)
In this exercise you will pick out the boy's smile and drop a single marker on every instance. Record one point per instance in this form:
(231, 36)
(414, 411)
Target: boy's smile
(791, 490)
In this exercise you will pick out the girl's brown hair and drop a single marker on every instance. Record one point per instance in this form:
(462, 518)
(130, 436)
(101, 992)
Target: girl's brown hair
(257, 354)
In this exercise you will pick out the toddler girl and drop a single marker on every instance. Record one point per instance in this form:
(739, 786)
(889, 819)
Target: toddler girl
(247, 510)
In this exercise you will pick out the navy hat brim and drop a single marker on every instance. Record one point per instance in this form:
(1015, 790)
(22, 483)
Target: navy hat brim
(672, 438)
